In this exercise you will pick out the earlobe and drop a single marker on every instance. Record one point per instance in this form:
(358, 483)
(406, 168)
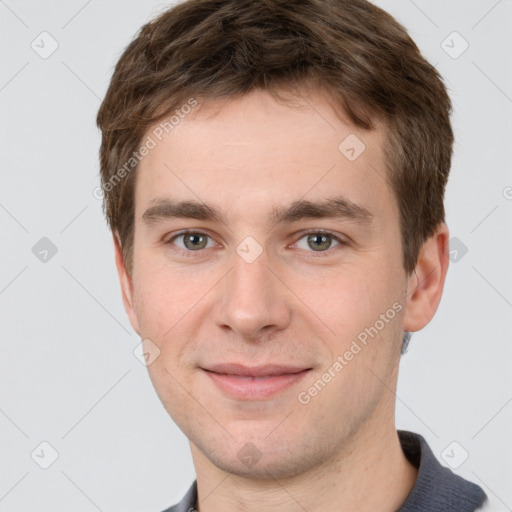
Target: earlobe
(126, 283)
(426, 283)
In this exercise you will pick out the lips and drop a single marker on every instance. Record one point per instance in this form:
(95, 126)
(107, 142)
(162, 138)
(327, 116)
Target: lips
(254, 382)
(267, 370)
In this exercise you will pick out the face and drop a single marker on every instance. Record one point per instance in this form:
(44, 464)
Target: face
(277, 317)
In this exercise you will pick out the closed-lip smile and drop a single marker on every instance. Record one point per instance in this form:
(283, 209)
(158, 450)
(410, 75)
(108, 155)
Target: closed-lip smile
(254, 382)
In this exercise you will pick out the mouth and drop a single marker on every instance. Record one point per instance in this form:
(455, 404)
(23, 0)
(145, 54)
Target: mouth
(254, 382)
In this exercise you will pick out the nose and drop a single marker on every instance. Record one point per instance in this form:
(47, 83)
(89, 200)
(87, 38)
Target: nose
(251, 300)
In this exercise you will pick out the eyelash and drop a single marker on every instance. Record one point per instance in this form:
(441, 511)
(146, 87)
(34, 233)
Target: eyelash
(189, 253)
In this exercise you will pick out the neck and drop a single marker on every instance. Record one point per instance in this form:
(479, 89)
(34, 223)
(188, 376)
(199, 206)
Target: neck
(371, 473)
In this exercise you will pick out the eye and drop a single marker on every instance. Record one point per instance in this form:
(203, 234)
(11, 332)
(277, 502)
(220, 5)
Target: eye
(319, 241)
(191, 241)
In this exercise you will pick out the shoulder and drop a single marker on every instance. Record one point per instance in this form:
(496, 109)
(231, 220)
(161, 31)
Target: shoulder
(437, 488)
(188, 502)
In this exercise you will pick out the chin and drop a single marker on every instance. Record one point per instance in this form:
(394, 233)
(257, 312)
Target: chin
(262, 458)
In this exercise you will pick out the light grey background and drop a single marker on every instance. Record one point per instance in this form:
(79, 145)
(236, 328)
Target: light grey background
(68, 375)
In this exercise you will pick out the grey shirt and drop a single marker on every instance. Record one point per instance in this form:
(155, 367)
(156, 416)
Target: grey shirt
(437, 488)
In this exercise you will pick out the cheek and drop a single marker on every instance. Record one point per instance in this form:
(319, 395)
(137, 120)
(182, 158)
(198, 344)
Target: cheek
(162, 298)
(349, 298)
(172, 308)
(364, 309)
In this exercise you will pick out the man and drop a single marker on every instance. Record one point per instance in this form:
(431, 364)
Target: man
(274, 174)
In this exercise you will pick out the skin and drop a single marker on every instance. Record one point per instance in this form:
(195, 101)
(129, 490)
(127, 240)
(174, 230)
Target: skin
(295, 304)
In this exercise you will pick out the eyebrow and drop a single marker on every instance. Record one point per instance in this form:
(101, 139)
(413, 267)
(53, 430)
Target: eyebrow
(334, 207)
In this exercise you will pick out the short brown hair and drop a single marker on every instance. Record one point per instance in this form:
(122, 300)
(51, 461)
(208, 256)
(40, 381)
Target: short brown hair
(355, 52)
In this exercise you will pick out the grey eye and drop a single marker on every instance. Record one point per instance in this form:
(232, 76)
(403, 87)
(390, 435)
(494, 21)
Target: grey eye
(192, 241)
(318, 242)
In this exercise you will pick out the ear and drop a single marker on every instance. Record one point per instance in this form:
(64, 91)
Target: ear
(126, 285)
(425, 285)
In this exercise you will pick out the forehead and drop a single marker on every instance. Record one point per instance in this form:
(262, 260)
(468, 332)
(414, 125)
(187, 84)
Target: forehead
(253, 153)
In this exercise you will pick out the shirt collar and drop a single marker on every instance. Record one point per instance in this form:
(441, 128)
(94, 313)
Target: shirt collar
(436, 487)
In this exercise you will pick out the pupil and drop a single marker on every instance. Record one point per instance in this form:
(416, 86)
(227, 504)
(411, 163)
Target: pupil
(320, 241)
(195, 240)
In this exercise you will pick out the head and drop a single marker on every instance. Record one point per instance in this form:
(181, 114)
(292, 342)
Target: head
(306, 146)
